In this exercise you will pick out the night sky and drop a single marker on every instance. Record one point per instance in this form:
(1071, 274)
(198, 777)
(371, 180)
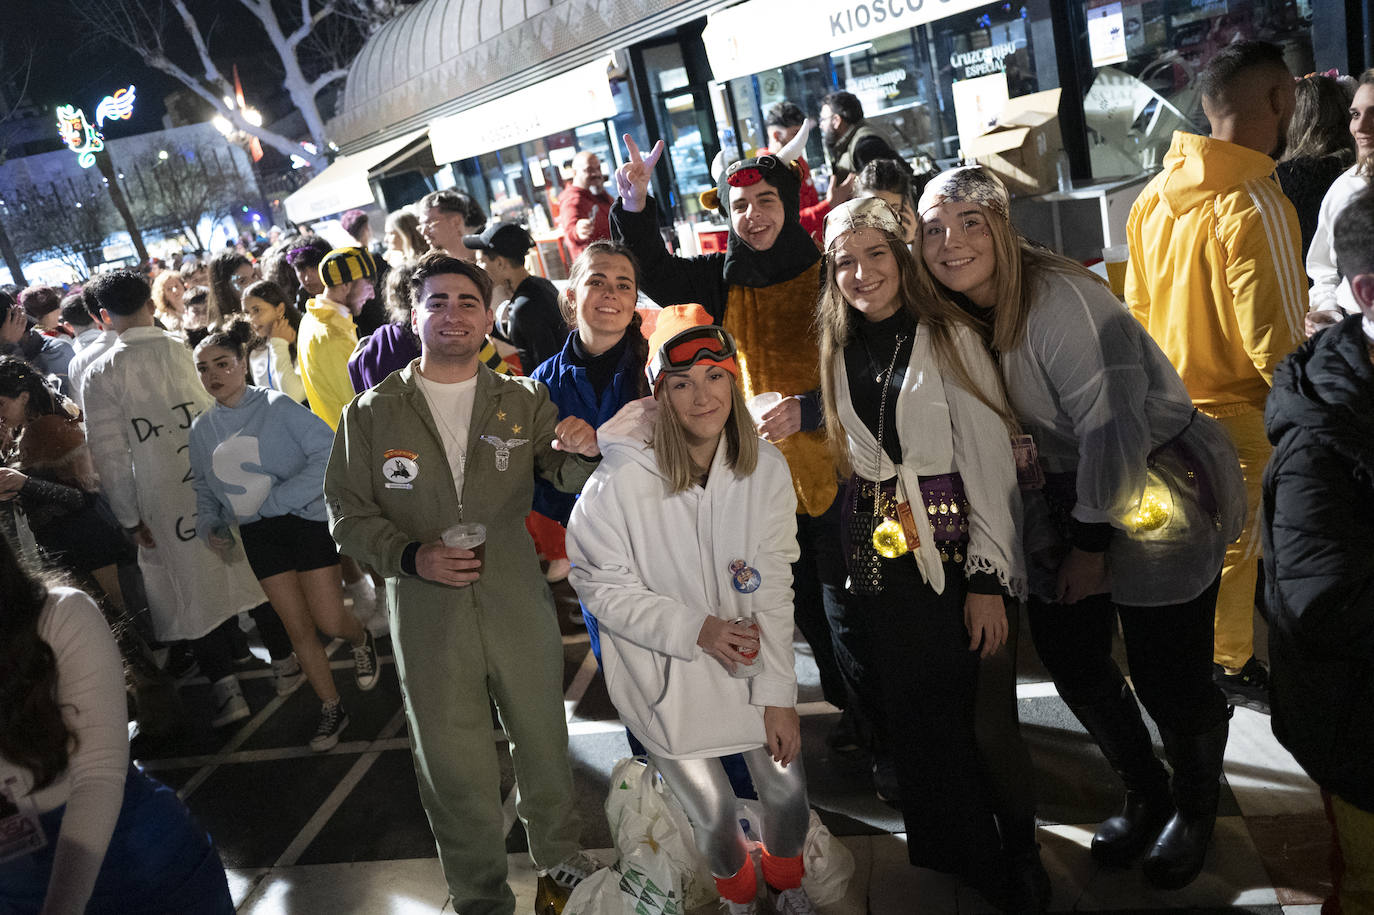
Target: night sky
(80, 69)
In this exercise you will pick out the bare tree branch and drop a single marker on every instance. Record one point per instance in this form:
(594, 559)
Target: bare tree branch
(188, 22)
(324, 79)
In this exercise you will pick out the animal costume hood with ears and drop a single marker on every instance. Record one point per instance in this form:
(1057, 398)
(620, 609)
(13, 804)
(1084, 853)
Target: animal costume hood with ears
(794, 251)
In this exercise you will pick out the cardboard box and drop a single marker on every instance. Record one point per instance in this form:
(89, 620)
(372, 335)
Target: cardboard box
(1023, 145)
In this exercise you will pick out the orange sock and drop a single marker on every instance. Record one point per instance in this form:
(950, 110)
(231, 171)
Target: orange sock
(743, 886)
(782, 873)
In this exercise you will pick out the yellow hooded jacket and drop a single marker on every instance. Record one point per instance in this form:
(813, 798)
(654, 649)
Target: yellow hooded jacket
(324, 342)
(1216, 273)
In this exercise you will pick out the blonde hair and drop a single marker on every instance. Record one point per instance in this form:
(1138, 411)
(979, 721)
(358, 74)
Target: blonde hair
(670, 441)
(170, 319)
(917, 295)
(407, 225)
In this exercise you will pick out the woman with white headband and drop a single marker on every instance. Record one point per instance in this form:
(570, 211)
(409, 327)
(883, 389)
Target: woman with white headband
(1131, 496)
(933, 545)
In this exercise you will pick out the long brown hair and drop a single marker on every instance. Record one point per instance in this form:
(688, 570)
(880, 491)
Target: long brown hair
(670, 441)
(638, 386)
(1366, 79)
(835, 323)
(33, 733)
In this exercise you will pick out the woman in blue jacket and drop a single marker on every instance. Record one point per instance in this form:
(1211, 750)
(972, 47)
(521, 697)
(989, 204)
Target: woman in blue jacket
(601, 365)
(258, 459)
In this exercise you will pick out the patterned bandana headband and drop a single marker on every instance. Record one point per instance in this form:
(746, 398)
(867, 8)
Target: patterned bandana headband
(860, 213)
(967, 184)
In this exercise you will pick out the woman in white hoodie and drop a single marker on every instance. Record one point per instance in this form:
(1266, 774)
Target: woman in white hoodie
(682, 544)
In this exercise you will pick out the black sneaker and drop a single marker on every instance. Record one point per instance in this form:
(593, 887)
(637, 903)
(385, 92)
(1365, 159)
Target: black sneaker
(333, 719)
(844, 736)
(366, 670)
(181, 663)
(1249, 688)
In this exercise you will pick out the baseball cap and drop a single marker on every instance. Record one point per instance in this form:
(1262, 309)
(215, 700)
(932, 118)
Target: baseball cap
(503, 238)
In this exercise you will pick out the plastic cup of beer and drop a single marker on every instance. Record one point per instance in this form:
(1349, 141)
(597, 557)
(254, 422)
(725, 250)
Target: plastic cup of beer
(1116, 258)
(467, 535)
(760, 404)
(755, 664)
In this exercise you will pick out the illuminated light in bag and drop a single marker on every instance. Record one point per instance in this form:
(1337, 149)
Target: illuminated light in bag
(1153, 512)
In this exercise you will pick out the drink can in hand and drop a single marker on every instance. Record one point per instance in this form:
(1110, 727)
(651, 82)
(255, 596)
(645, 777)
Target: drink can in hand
(755, 662)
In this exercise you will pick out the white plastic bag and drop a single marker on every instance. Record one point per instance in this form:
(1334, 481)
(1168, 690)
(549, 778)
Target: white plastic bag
(829, 865)
(654, 838)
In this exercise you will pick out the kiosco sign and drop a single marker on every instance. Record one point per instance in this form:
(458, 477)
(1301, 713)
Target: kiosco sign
(762, 34)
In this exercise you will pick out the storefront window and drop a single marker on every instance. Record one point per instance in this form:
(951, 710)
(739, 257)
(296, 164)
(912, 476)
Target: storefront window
(905, 80)
(1000, 51)
(1147, 57)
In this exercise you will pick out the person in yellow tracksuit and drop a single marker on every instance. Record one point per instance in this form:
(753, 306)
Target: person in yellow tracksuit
(1216, 276)
(327, 335)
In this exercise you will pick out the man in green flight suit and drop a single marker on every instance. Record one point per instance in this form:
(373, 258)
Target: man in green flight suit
(441, 441)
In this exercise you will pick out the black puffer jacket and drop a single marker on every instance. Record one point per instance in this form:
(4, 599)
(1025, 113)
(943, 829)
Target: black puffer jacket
(1319, 559)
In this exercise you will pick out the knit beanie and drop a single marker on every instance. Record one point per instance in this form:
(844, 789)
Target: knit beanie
(344, 265)
(677, 321)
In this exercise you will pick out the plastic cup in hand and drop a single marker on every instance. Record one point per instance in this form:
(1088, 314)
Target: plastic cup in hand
(760, 404)
(468, 535)
(1116, 258)
(755, 662)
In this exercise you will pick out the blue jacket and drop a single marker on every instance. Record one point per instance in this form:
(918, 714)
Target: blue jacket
(261, 459)
(572, 394)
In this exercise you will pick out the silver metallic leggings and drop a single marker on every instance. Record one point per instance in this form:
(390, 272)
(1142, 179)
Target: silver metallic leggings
(704, 791)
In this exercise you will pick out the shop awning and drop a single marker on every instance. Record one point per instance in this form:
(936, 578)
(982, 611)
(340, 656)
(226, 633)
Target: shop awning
(344, 184)
(759, 35)
(579, 96)
(442, 57)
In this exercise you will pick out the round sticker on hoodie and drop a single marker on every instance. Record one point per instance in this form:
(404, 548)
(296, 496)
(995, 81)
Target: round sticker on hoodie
(744, 578)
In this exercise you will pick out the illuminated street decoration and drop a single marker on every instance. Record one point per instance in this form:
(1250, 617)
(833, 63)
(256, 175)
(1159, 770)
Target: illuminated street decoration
(85, 140)
(117, 107)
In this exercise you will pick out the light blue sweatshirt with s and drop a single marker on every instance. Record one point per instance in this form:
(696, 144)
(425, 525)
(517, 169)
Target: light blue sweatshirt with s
(262, 458)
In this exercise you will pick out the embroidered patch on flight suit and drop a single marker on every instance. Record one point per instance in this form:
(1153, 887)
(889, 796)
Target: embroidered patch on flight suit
(503, 447)
(400, 468)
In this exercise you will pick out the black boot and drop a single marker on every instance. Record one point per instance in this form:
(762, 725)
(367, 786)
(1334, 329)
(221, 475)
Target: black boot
(1120, 733)
(1179, 851)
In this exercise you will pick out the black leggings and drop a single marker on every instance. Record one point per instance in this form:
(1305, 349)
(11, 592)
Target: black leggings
(1169, 650)
(214, 651)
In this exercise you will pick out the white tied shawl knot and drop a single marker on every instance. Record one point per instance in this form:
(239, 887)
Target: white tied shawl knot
(944, 429)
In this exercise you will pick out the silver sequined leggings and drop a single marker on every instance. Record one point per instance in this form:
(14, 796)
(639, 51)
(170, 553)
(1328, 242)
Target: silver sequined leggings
(704, 791)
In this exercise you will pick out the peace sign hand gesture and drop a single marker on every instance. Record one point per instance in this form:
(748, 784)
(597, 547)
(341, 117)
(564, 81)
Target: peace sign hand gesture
(632, 178)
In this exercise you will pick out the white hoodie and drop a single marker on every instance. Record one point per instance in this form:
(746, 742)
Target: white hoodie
(650, 566)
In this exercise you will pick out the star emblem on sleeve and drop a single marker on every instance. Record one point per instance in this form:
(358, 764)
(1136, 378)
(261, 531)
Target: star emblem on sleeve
(514, 430)
(500, 416)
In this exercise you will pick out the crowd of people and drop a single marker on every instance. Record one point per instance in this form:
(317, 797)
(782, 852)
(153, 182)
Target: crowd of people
(975, 426)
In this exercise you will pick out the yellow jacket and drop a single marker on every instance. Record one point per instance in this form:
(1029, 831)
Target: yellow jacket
(324, 342)
(1216, 272)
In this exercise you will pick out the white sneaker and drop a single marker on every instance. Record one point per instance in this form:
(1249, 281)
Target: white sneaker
(794, 902)
(741, 908)
(230, 706)
(558, 570)
(287, 675)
